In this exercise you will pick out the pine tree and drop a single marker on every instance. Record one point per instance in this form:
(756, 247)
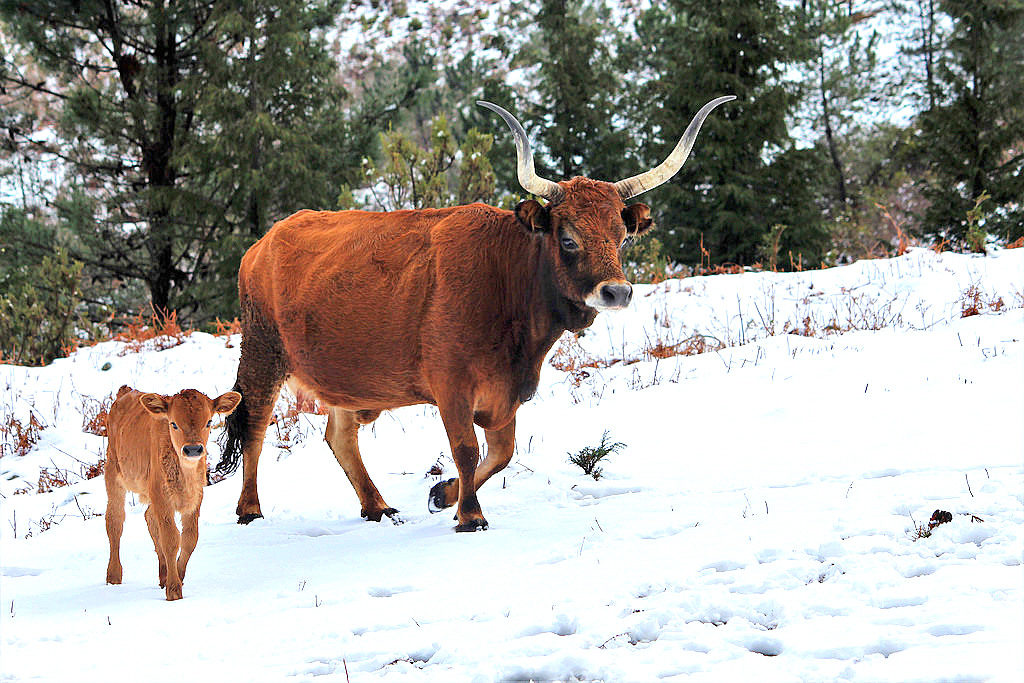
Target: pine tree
(728, 195)
(972, 137)
(186, 126)
(843, 60)
(576, 91)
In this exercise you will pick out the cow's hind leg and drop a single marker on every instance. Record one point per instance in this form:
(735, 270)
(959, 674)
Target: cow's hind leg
(501, 445)
(343, 437)
(261, 372)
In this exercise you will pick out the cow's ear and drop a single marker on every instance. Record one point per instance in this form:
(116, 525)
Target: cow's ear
(533, 216)
(637, 218)
(227, 402)
(155, 404)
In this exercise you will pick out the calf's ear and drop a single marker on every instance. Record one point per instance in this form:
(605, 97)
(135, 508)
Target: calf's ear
(155, 404)
(637, 218)
(227, 402)
(533, 216)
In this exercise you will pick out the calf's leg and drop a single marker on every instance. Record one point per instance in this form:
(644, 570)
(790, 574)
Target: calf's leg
(154, 533)
(115, 524)
(170, 542)
(343, 437)
(189, 538)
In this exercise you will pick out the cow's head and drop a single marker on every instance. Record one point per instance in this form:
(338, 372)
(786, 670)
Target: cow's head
(586, 223)
(189, 415)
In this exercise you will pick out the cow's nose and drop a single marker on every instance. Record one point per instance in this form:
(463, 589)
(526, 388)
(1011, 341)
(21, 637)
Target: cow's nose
(192, 451)
(616, 295)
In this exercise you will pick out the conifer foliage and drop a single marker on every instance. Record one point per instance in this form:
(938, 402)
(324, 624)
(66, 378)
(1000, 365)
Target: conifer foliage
(726, 198)
(973, 136)
(180, 124)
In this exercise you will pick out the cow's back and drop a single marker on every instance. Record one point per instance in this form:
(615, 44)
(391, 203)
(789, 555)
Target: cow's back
(348, 294)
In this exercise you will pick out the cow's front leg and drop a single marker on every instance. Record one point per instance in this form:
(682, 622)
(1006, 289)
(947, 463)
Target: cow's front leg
(500, 448)
(458, 422)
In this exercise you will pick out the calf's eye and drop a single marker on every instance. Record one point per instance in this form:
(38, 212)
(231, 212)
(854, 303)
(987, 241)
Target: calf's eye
(209, 423)
(174, 424)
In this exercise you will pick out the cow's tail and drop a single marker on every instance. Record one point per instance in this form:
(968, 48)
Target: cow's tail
(232, 441)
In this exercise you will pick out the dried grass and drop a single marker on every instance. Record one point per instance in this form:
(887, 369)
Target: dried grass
(155, 332)
(974, 301)
(48, 481)
(16, 437)
(227, 329)
(94, 414)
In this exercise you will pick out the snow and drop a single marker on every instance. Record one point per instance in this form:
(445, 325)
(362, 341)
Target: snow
(759, 525)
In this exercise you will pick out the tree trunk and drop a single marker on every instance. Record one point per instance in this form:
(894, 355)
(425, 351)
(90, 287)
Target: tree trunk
(833, 149)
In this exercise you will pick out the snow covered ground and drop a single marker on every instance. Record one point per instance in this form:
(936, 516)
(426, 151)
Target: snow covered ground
(758, 525)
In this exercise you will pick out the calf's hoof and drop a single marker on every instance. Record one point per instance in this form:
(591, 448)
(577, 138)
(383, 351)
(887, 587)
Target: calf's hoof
(174, 592)
(443, 495)
(248, 517)
(472, 525)
(377, 515)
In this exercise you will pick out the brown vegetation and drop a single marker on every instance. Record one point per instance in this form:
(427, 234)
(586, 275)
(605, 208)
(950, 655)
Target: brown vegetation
(18, 438)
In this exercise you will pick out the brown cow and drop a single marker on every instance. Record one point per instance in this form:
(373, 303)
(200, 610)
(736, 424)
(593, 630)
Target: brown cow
(157, 448)
(456, 307)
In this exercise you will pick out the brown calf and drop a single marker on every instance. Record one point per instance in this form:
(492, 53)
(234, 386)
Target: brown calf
(157, 449)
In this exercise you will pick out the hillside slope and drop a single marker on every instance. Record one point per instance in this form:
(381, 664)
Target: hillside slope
(760, 524)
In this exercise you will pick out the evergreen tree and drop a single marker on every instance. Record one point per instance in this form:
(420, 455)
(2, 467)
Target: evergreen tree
(728, 195)
(972, 138)
(843, 61)
(187, 127)
(40, 303)
(577, 90)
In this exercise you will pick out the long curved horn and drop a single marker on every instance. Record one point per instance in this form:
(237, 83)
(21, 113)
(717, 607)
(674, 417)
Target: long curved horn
(528, 178)
(638, 184)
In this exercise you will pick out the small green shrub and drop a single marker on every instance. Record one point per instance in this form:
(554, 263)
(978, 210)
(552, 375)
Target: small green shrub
(645, 261)
(39, 309)
(587, 457)
(976, 235)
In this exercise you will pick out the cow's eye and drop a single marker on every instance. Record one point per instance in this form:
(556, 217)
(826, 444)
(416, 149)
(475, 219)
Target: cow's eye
(626, 242)
(174, 424)
(569, 244)
(209, 423)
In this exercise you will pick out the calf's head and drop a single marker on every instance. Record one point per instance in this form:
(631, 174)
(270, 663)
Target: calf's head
(586, 223)
(189, 416)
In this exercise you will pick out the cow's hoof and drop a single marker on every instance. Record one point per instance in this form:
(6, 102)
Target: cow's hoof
(377, 515)
(248, 517)
(438, 498)
(472, 525)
